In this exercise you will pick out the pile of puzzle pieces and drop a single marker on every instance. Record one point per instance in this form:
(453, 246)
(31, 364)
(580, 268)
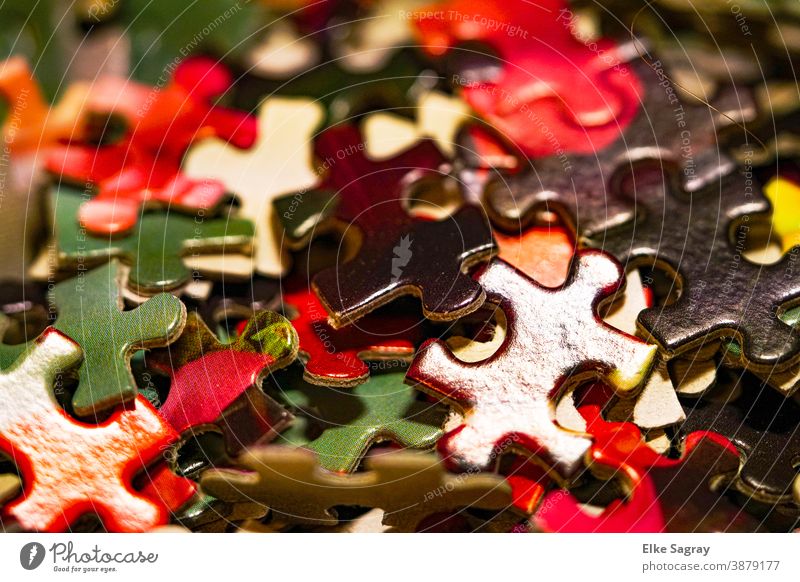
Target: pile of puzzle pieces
(490, 266)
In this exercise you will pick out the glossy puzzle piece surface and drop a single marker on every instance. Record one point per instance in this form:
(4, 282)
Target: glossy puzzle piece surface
(542, 81)
(280, 161)
(90, 312)
(552, 335)
(145, 166)
(209, 376)
(335, 357)
(585, 189)
(667, 495)
(407, 486)
(762, 424)
(399, 254)
(382, 409)
(542, 253)
(155, 249)
(721, 293)
(70, 468)
(210, 515)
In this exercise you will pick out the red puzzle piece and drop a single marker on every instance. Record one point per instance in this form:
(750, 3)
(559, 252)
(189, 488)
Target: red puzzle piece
(70, 468)
(208, 377)
(552, 93)
(334, 356)
(145, 166)
(667, 495)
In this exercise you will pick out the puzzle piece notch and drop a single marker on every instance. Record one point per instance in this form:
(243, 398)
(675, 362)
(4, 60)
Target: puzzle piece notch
(216, 384)
(507, 400)
(70, 468)
(335, 357)
(156, 248)
(399, 254)
(382, 409)
(407, 486)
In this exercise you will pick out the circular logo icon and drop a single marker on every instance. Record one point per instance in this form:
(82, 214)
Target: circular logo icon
(31, 555)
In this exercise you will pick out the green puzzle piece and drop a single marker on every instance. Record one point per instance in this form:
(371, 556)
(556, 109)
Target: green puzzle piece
(154, 249)
(90, 312)
(384, 408)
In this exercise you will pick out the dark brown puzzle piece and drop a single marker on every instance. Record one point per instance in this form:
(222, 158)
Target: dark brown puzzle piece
(399, 254)
(700, 238)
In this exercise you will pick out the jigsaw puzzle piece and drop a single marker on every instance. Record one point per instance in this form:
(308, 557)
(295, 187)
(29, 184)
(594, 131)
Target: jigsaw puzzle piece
(90, 311)
(508, 401)
(70, 468)
(399, 254)
(216, 384)
(280, 162)
(407, 486)
(155, 249)
(382, 409)
(761, 424)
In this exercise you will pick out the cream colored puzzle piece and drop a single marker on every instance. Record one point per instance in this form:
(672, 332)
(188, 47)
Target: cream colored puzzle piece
(280, 162)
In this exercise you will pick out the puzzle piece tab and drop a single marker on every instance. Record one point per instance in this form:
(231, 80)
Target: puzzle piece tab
(552, 335)
(70, 468)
